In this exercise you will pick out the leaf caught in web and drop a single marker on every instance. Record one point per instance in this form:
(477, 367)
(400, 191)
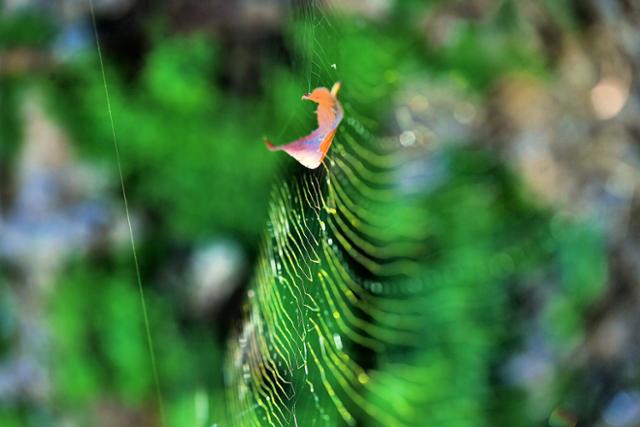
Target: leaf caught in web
(310, 150)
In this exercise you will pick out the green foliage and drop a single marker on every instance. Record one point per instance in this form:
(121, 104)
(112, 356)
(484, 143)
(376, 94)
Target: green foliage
(8, 318)
(478, 53)
(108, 308)
(177, 74)
(26, 29)
(101, 348)
(176, 137)
(10, 117)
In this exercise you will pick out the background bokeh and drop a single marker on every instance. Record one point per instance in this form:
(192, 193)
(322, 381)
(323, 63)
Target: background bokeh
(531, 114)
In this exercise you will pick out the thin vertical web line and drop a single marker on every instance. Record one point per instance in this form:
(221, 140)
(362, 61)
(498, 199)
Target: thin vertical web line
(143, 303)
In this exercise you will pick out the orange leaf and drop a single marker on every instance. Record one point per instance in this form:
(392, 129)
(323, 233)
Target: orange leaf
(310, 150)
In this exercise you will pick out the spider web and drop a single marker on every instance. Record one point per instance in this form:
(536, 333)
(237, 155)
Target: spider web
(335, 316)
